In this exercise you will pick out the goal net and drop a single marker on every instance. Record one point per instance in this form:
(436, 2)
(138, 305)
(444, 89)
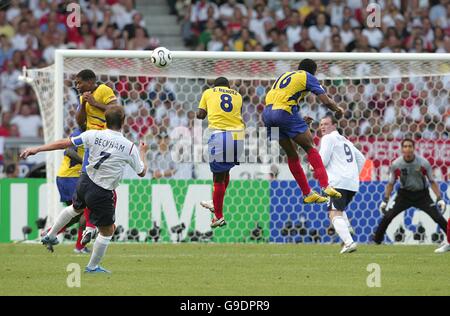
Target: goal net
(385, 96)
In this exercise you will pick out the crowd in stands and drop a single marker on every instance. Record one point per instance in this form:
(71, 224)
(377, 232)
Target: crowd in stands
(30, 31)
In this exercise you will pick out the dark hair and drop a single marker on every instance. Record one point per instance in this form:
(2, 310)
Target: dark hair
(86, 74)
(115, 116)
(221, 82)
(409, 140)
(334, 121)
(308, 65)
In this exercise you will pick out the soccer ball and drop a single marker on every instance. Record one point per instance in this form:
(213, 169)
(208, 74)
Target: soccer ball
(161, 57)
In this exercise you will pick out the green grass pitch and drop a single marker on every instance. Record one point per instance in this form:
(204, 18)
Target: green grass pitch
(227, 269)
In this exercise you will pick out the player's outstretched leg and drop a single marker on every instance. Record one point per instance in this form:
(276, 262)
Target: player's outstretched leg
(296, 169)
(100, 245)
(305, 140)
(62, 220)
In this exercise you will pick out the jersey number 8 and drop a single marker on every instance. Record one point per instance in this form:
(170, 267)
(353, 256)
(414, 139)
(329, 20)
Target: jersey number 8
(226, 104)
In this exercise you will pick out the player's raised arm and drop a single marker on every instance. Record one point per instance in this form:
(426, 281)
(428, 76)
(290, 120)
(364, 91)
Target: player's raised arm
(313, 85)
(143, 148)
(329, 103)
(59, 144)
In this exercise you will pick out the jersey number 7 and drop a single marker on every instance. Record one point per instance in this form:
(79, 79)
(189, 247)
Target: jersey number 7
(105, 156)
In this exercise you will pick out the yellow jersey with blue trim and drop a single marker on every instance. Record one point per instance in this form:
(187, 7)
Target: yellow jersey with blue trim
(224, 108)
(291, 88)
(68, 167)
(95, 117)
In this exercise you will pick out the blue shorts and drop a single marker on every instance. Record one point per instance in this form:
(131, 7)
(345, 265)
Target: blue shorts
(66, 187)
(289, 125)
(225, 150)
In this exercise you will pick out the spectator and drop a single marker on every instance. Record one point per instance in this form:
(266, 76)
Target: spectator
(336, 12)
(129, 30)
(5, 27)
(19, 41)
(107, 40)
(294, 29)
(5, 124)
(29, 124)
(162, 165)
(12, 170)
(320, 32)
(228, 9)
(140, 41)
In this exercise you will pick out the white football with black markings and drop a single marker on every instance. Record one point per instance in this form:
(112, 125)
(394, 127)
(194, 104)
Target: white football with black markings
(161, 57)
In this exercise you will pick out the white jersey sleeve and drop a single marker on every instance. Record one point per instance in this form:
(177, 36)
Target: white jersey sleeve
(135, 160)
(86, 138)
(326, 149)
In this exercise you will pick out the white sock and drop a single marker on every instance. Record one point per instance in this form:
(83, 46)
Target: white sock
(344, 215)
(100, 246)
(62, 220)
(342, 229)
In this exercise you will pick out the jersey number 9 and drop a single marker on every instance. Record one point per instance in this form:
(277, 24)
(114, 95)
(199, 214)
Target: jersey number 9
(348, 153)
(226, 104)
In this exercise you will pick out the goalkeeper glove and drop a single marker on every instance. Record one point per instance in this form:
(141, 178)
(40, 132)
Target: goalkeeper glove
(441, 205)
(383, 205)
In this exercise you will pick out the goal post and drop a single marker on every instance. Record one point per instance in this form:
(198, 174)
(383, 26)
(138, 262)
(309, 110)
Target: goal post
(192, 71)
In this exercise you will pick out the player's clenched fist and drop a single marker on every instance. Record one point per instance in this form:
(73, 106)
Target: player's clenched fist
(88, 97)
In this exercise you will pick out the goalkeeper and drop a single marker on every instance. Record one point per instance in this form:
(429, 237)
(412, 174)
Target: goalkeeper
(413, 171)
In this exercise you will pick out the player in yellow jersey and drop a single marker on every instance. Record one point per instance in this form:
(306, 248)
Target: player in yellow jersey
(222, 105)
(282, 113)
(95, 99)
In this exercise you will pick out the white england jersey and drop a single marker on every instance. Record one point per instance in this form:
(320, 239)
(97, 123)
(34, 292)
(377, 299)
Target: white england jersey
(342, 161)
(109, 153)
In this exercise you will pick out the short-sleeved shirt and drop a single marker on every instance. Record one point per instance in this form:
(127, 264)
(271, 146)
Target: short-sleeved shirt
(95, 117)
(342, 161)
(70, 168)
(291, 88)
(224, 108)
(109, 153)
(412, 175)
